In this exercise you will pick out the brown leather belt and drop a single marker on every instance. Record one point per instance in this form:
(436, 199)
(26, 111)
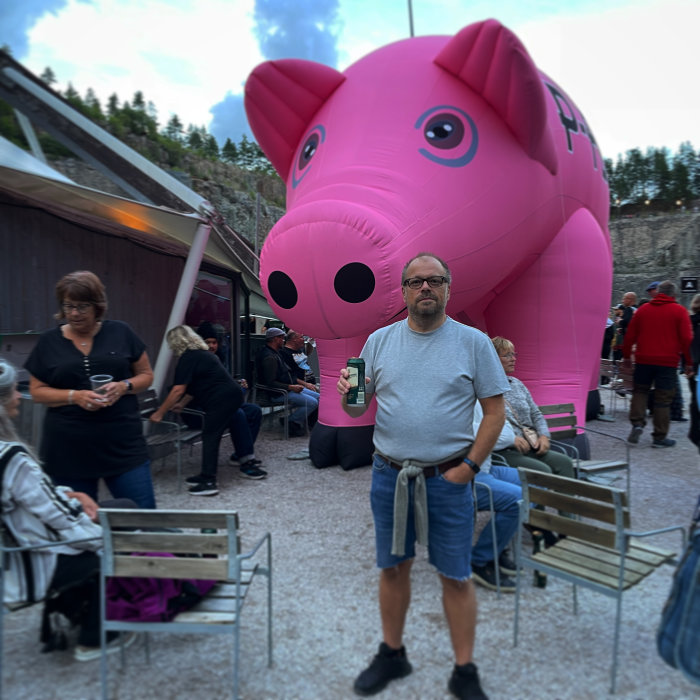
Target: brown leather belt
(433, 470)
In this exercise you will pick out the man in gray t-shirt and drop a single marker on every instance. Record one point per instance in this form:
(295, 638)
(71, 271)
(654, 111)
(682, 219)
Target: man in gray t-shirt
(426, 374)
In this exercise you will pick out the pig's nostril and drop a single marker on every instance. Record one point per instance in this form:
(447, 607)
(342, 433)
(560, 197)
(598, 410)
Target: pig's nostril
(282, 290)
(354, 283)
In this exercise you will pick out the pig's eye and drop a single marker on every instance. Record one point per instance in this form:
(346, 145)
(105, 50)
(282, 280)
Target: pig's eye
(444, 131)
(308, 151)
(316, 137)
(448, 128)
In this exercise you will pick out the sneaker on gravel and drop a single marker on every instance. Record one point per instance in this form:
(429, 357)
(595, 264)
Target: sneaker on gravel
(486, 576)
(635, 434)
(235, 462)
(82, 653)
(666, 442)
(250, 470)
(386, 666)
(464, 683)
(197, 479)
(205, 488)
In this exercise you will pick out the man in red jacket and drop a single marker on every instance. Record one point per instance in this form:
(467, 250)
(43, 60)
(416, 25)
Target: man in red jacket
(659, 332)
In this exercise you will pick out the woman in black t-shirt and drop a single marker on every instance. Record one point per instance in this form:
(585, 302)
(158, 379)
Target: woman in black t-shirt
(200, 374)
(88, 436)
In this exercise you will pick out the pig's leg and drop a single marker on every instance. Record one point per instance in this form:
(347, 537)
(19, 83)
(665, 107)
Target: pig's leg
(337, 438)
(555, 314)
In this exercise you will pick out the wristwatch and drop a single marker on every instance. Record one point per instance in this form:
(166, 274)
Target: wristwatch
(129, 385)
(475, 467)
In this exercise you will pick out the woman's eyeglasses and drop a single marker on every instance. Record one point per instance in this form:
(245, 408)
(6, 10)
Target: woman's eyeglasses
(510, 356)
(80, 308)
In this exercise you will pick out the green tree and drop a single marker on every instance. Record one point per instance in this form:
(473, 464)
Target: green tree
(93, 108)
(48, 76)
(194, 139)
(73, 98)
(229, 153)
(210, 148)
(173, 129)
(661, 174)
(112, 105)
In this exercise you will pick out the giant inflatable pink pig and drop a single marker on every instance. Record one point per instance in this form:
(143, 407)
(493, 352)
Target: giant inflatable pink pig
(455, 145)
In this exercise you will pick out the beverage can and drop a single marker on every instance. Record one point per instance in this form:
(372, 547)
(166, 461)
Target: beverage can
(356, 377)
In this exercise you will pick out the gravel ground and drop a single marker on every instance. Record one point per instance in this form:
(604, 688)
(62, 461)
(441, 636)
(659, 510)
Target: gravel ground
(326, 624)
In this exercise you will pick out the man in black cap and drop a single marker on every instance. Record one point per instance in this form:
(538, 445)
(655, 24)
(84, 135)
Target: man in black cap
(274, 373)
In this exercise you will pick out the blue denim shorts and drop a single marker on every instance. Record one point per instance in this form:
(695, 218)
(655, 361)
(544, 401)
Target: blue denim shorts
(450, 521)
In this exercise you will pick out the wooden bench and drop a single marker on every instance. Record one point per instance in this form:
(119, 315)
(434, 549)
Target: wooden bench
(563, 427)
(600, 551)
(209, 546)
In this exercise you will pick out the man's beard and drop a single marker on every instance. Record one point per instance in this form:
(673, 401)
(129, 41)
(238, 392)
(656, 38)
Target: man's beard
(427, 311)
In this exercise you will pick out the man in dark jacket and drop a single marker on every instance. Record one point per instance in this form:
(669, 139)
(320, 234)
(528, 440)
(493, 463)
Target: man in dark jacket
(659, 333)
(274, 373)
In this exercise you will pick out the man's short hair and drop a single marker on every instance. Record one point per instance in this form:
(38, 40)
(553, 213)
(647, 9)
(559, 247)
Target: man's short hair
(668, 288)
(447, 275)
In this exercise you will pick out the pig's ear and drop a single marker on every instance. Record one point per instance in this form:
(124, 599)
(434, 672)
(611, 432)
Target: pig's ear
(492, 61)
(281, 97)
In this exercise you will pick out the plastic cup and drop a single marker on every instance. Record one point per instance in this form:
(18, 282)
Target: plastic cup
(98, 382)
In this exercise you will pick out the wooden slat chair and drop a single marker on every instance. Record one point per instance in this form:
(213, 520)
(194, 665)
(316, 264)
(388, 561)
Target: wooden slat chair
(600, 552)
(563, 426)
(7, 548)
(167, 437)
(205, 555)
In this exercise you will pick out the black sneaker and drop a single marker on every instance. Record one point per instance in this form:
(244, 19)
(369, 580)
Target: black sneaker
(464, 683)
(666, 442)
(635, 434)
(386, 666)
(197, 479)
(250, 470)
(235, 462)
(486, 576)
(506, 565)
(205, 488)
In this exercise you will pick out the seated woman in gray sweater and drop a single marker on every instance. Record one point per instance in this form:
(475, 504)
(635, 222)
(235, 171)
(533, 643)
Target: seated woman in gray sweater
(523, 415)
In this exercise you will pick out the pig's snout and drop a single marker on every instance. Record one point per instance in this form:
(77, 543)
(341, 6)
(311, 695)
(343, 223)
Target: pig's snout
(325, 267)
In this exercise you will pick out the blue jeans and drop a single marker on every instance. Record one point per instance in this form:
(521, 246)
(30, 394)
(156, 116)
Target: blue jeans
(306, 402)
(504, 483)
(135, 484)
(450, 521)
(245, 427)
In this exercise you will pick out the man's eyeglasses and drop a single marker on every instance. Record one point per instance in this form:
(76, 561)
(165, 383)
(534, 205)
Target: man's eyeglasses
(417, 282)
(80, 308)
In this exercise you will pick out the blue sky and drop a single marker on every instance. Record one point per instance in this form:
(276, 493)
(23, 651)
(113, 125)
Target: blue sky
(630, 66)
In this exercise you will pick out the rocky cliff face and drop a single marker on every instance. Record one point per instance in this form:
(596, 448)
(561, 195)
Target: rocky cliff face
(234, 192)
(650, 248)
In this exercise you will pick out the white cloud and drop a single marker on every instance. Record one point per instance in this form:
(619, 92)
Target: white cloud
(183, 56)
